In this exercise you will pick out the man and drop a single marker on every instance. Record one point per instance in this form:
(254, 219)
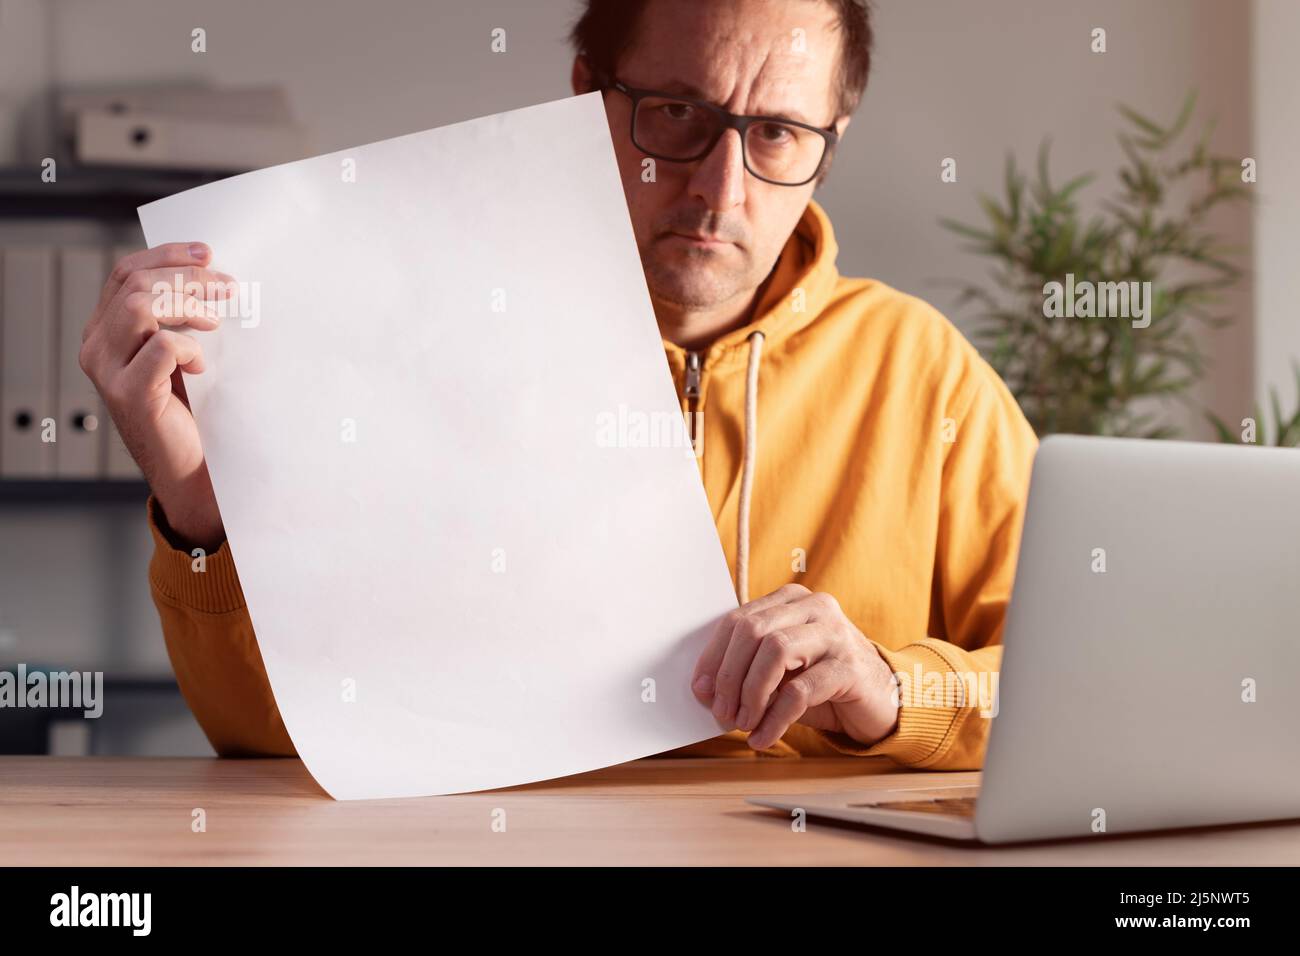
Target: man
(865, 468)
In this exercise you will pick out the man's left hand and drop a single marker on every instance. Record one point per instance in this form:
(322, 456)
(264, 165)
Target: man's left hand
(792, 656)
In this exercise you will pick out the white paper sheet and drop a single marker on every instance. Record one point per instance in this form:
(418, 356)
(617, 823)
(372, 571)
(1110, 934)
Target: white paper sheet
(498, 582)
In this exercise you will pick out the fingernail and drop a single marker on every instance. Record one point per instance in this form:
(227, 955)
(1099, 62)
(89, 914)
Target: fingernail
(719, 708)
(742, 718)
(703, 684)
(198, 250)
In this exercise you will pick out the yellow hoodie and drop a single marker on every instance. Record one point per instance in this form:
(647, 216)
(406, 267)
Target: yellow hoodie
(888, 466)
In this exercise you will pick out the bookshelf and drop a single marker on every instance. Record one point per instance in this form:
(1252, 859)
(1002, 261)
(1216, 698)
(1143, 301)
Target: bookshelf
(103, 194)
(106, 197)
(94, 206)
(63, 491)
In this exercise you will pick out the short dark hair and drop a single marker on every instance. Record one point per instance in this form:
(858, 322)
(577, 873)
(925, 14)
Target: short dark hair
(606, 29)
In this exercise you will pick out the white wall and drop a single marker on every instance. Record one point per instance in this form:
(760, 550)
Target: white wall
(25, 71)
(1276, 78)
(356, 72)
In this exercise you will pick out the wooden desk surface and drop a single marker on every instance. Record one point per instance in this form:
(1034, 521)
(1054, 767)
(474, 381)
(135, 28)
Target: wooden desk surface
(137, 811)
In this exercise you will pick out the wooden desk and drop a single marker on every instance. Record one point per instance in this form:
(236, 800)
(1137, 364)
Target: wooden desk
(137, 811)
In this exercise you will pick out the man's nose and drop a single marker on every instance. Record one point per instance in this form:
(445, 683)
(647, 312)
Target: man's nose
(719, 179)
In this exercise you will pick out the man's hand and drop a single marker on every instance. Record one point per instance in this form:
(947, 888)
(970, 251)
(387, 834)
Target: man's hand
(793, 656)
(134, 352)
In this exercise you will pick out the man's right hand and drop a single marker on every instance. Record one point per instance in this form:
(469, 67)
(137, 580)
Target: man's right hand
(135, 357)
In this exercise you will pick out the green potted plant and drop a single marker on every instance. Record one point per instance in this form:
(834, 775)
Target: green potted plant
(1284, 431)
(1085, 375)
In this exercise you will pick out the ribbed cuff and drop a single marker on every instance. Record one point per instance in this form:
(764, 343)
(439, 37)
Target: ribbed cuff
(922, 732)
(172, 572)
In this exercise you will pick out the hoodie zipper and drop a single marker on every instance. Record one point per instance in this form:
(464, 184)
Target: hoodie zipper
(691, 392)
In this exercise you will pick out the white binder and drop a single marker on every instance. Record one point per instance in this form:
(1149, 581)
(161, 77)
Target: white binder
(118, 462)
(28, 364)
(250, 104)
(81, 414)
(182, 142)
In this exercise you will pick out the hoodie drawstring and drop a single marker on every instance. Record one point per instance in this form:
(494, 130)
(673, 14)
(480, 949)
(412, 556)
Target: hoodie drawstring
(747, 471)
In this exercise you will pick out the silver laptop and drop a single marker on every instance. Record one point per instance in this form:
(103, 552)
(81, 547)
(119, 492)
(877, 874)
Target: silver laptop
(1151, 670)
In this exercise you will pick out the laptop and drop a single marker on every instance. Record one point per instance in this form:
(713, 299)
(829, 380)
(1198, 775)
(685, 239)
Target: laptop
(1151, 664)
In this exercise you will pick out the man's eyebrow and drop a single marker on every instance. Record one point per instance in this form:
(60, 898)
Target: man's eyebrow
(681, 88)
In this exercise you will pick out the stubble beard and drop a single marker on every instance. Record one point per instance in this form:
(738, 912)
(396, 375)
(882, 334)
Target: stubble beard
(693, 279)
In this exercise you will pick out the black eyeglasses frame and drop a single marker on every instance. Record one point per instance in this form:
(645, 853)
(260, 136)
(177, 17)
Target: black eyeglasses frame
(726, 121)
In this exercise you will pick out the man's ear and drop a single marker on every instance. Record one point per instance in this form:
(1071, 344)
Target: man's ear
(581, 77)
(842, 125)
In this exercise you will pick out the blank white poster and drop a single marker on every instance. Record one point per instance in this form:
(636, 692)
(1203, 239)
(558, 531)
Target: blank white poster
(450, 459)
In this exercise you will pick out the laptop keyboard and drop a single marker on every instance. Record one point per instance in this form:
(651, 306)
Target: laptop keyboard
(953, 805)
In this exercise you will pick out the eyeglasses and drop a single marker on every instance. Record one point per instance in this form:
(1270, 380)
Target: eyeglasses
(681, 130)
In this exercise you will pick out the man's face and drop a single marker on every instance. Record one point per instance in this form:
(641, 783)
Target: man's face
(708, 231)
